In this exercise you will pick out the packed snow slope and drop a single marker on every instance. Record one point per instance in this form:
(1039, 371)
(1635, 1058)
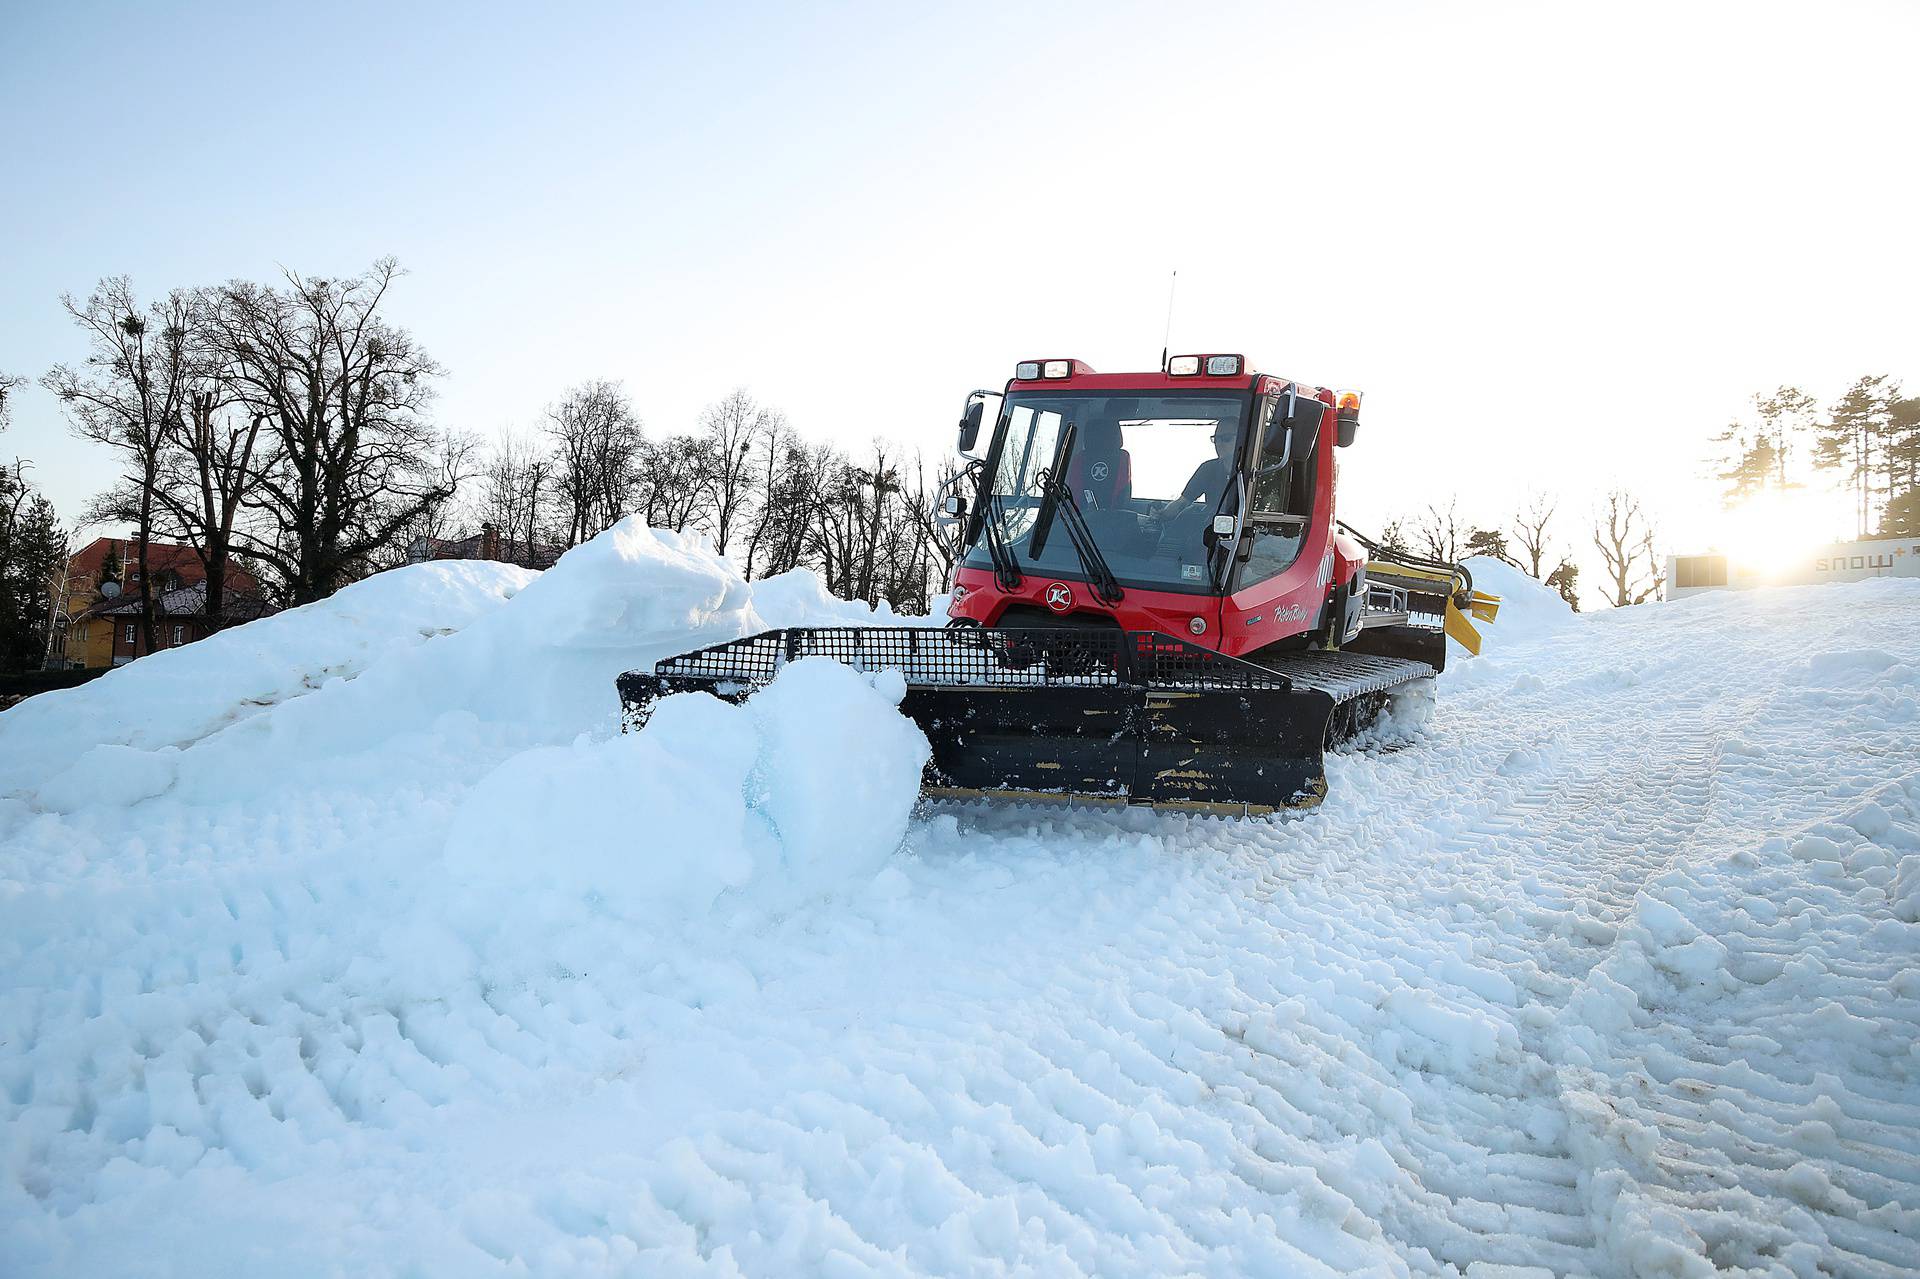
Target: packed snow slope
(365, 944)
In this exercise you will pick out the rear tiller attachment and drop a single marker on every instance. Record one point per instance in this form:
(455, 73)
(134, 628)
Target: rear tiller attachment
(1090, 714)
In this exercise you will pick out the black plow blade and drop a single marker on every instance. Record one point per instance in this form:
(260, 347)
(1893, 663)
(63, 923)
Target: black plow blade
(1090, 716)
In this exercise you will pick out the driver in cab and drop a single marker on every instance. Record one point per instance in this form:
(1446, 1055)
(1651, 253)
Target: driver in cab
(1209, 482)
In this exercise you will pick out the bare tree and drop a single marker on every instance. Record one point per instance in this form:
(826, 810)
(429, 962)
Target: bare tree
(798, 478)
(513, 479)
(598, 461)
(874, 488)
(353, 461)
(129, 396)
(1530, 525)
(8, 385)
(679, 479)
(730, 429)
(207, 473)
(1394, 539)
(922, 511)
(1441, 533)
(1624, 538)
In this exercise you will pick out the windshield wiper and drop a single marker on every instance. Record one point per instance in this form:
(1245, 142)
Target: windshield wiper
(1057, 496)
(1006, 569)
(1105, 586)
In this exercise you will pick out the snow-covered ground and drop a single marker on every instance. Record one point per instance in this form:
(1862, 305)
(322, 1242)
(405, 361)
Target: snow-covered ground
(358, 942)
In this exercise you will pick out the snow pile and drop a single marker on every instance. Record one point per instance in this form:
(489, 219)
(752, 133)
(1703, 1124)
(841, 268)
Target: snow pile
(806, 787)
(1529, 609)
(176, 697)
(439, 667)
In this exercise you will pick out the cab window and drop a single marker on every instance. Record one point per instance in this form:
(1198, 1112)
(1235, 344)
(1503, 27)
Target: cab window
(1283, 486)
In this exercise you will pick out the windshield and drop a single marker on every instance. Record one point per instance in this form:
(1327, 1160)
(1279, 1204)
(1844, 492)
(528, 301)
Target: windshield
(1148, 472)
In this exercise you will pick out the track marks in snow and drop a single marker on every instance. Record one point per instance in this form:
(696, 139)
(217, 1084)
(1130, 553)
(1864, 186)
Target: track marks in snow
(1607, 975)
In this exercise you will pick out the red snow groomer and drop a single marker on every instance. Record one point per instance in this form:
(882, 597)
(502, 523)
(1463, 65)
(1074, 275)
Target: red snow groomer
(1153, 602)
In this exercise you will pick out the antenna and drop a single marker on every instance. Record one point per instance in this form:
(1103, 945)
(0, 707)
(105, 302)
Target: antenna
(1166, 339)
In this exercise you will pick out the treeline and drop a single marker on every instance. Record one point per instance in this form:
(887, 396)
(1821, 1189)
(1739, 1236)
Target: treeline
(743, 477)
(1534, 539)
(1868, 439)
(285, 429)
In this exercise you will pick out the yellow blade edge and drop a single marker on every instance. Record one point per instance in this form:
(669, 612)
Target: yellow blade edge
(1461, 630)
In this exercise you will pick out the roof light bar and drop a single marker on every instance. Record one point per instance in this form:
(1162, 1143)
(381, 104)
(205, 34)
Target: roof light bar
(1033, 370)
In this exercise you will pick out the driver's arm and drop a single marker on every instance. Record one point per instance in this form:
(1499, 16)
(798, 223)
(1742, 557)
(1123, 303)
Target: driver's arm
(1196, 489)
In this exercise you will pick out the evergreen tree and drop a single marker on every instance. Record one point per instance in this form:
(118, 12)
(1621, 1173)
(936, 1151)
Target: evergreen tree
(1850, 441)
(1566, 580)
(1902, 449)
(1785, 416)
(1490, 542)
(1754, 456)
(111, 568)
(32, 544)
(1751, 468)
(1901, 518)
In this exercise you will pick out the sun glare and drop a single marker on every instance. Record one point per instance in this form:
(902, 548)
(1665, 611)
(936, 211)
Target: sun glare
(1771, 533)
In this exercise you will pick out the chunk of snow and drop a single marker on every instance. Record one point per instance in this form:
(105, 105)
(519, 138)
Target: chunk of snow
(839, 769)
(110, 776)
(807, 787)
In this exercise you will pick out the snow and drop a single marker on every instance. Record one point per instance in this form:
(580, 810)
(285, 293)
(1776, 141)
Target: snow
(361, 941)
(809, 787)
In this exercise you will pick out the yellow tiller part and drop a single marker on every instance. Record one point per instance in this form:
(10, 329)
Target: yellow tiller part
(1460, 629)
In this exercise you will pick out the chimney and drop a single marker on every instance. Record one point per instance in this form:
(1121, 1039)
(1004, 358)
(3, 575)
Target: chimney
(489, 542)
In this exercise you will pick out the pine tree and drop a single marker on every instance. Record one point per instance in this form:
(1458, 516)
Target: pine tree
(1754, 457)
(1785, 415)
(32, 545)
(1752, 468)
(1848, 442)
(1566, 580)
(1490, 542)
(1902, 516)
(1901, 449)
(111, 568)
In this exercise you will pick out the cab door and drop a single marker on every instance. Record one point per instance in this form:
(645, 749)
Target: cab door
(1276, 585)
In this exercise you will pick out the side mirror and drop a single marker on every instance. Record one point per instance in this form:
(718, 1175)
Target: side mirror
(970, 423)
(1304, 426)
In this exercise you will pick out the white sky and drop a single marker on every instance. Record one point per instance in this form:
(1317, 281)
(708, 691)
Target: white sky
(1557, 245)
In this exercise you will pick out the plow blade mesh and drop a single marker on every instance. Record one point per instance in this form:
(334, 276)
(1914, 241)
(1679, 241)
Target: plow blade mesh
(1090, 714)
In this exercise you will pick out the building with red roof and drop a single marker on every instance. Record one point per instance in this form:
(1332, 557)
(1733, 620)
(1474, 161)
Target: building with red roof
(100, 614)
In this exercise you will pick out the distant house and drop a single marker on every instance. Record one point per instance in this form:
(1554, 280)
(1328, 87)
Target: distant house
(487, 544)
(100, 601)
